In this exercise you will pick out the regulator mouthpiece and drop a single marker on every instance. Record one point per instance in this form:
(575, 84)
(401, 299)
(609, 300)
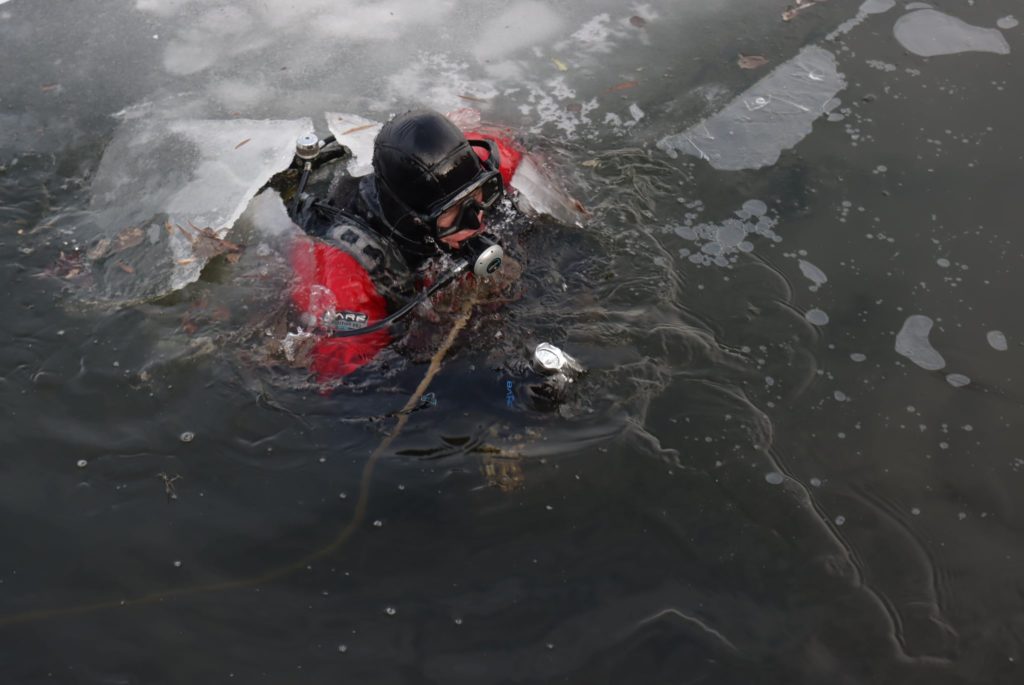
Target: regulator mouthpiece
(484, 254)
(307, 147)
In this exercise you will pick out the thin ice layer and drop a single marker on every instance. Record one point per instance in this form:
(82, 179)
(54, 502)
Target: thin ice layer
(929, 33)
(773, 115)
(174, 179)
(912, 343)
(357, 134)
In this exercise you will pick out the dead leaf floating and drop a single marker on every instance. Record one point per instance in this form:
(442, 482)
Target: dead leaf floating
(559, 64)
(792, 11)
(622, 86)
(638, 22)
(243, 143)
(751, 61)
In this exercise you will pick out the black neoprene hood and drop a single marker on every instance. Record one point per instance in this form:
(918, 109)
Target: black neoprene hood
(421, 160)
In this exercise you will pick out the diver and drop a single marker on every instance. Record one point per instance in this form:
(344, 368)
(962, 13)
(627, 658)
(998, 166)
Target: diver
(372, 237)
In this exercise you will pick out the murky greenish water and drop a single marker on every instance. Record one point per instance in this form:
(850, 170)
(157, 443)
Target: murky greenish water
(795, 458)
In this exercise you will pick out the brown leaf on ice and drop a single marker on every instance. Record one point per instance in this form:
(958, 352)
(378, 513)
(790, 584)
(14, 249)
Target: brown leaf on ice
(356, 129)
(206, 245)
(625, 85)
(185, 262)
(751, 61)
(637, 21)
(578, 206)
(99, 250)
(129, 237)
(127, 268)
(243, 143)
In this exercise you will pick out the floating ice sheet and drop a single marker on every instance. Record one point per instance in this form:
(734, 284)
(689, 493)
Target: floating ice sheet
(172, 180)
(357, 134)
(929, 33)
(912, 343)
(773, 115)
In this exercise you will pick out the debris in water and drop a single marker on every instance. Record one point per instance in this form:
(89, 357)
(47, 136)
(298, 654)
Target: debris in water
(49, 87)
(912, 343)
(81, 463)
(622, 86)
(125, 267)
(243, 143)
(751, 61)
(187, 436)
(638, 21)
(559, 64)
(168, 481)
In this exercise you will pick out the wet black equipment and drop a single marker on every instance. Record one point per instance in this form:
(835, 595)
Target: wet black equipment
(480, 253)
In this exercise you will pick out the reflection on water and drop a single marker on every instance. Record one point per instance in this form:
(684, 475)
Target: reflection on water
(777, 468)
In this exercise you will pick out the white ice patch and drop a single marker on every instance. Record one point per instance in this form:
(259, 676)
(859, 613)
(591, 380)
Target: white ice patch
(813, 274)
(1007, 22)
(357, 134)
(721, 244)
(912, 343)
(958, 380)
(187, 175)
(929, 33)
(868, 8)
(997, 340)
(538, 193)
(816, 316)
(439, 81)
(773, 115)
(521, 25)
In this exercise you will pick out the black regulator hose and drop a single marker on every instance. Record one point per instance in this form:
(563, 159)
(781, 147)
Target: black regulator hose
(408, 307)
(479, 251)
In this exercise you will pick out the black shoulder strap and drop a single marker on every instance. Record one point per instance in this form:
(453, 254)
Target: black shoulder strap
(381, 259)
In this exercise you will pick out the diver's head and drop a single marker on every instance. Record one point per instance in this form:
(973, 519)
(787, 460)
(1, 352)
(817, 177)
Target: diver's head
(433, 187)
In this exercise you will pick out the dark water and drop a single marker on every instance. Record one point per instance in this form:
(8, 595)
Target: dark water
(751, 484)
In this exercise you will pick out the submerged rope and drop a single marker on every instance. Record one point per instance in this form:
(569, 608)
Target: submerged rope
(343, 536)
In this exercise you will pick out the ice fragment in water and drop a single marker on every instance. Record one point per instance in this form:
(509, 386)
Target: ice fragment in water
(997, 340)
(816, 316)
(877, 6)
(858, 356)
(182, 175)
(1007, 22)
(357, 134)
(958, 380)
(813, 273)
(774, 477)
(929, 33)
(912, 343)
(774, 114)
